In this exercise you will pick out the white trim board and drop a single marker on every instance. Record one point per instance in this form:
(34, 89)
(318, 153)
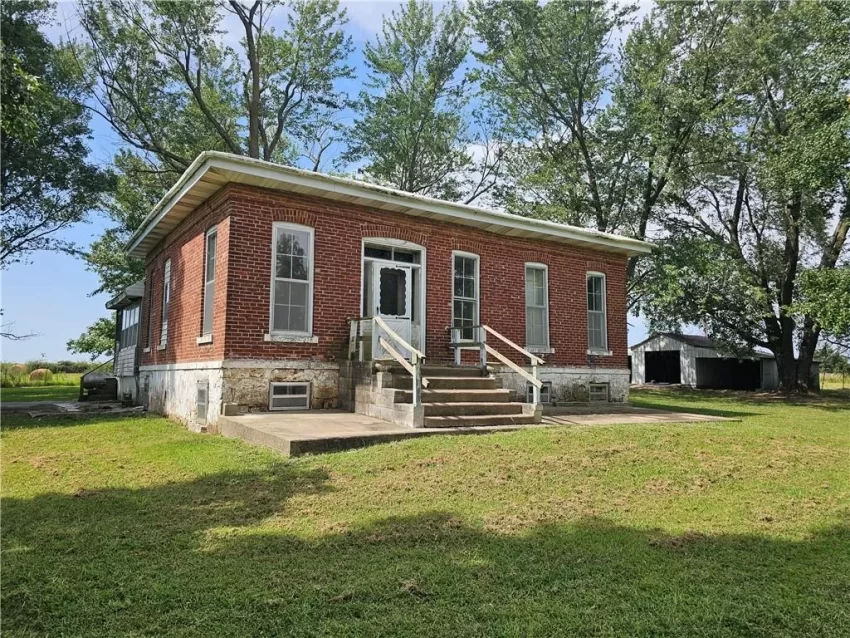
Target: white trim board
(213, 169)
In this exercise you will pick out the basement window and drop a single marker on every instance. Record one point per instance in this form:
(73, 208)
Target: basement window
(599, 393)
(289, 396)
(202, 401)
(545, 392)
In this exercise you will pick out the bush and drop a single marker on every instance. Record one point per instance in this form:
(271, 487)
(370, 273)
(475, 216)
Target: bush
(71, 366)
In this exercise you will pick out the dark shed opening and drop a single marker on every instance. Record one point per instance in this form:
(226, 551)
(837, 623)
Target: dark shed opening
(663, 366)
(731, 374)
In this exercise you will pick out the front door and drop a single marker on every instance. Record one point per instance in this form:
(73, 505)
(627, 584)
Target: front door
(391, 301)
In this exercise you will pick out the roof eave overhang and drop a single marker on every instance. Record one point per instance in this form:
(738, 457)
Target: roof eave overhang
(213, 170)
(121, 301)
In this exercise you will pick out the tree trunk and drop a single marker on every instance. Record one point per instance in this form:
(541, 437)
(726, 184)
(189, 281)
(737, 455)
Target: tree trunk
(254, 101)
(808, 344)
(252, 97)
(784, 353)
(829, 258)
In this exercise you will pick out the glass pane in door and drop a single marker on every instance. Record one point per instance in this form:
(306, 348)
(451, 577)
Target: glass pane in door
(392, 297)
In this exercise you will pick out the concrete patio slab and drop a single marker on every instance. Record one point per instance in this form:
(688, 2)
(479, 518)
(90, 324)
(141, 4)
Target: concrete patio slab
(317, 431)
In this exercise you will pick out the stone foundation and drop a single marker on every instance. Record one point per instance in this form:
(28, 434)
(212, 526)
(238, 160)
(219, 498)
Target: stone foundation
(246, 382)
(235, 387)
(242, 386)
(569, 385)
(173, 389)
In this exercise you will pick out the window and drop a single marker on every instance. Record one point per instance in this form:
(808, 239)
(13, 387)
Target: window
(209, 283)
(599, 393)
(597, 331)
(289, 396)
(391, 253)
(292, 279)
(202, 401)
(166, 302)
(536, 306)
(465, 296)
(545, 392)
(392, 291)
(129, 326)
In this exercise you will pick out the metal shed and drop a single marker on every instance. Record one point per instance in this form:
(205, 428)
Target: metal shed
(695, 361)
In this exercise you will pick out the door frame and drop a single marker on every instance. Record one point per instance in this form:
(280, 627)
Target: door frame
(423, 277)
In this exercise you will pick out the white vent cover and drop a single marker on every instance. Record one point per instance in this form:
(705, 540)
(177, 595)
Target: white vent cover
(289, 396)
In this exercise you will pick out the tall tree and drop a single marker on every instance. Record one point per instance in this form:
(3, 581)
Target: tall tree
(412, 127)
(763, 199)
(603, 131)
(545, 67)
(171, 87)
(46, 182)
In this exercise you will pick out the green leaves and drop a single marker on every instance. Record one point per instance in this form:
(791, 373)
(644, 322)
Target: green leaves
(46, 184)
(824, 295)
(411, 129)
(761, 194)
(98, 339)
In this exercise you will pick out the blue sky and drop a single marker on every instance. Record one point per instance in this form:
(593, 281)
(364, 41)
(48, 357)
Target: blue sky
(51, 296)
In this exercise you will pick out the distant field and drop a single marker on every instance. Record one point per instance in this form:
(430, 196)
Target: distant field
(30, 375)
(834, 381)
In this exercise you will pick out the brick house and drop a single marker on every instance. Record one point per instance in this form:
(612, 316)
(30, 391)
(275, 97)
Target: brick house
(268, 287)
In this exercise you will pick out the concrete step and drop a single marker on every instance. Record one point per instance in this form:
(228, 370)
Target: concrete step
(442, 371)
(449, 383)
(455, 396)
(477, 421)
(472, 408)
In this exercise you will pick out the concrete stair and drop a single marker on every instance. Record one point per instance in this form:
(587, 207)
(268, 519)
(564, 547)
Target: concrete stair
(466, 421)
(462, 397)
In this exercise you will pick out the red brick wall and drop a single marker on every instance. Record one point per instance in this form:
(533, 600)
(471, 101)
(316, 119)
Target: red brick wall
(339, 229)
(185, 247)
(244, 217)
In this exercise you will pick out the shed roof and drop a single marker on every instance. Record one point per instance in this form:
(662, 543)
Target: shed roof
(213, 169)
(131, 293)
(697, 341)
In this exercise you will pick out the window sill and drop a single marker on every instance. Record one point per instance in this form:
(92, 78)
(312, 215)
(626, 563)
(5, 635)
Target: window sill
(161, 347)
(204, 339)
(540, 350)
(147, 350)
(600, 353)
(290, 338)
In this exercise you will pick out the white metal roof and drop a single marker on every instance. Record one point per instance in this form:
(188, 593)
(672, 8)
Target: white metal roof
(212, 170)
(127, 296)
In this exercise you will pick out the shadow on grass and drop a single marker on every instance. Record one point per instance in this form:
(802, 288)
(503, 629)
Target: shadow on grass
(190, 559)
(22, 420)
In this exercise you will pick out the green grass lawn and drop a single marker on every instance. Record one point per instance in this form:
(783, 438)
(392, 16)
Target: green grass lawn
(41, 393)
(135, 526)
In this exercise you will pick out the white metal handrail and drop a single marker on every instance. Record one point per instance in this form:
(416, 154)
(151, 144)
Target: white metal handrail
(534, 359)
(414, 366)
(395, 337)
(485, 349)
(356, 336)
